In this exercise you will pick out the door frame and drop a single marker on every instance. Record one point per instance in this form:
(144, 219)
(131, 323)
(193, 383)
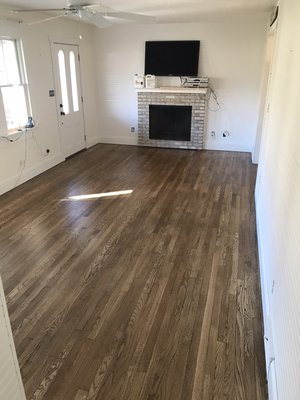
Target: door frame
(262, 123)
(68, 42)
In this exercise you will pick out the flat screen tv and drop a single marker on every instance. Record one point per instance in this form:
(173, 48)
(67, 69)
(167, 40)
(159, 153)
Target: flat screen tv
(172, 58)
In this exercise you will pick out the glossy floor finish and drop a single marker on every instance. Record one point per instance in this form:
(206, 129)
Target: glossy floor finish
(148, 295)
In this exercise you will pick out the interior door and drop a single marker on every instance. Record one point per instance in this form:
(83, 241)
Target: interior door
(68, 97)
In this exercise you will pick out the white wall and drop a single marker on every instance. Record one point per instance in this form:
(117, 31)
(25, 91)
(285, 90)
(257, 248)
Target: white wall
(278, 204)
(231, 55)
(11, 386)
(264, 89)
(36, 44)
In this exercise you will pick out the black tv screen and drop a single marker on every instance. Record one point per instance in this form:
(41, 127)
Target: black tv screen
(172, 58)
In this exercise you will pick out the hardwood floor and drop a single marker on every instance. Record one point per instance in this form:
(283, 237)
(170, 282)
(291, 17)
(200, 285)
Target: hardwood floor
(149, 295)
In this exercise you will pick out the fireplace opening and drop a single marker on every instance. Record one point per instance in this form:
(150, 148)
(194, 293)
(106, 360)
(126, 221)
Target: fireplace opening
(170, 122)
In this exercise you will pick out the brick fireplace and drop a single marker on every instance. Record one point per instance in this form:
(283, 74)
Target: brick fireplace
(186, 98)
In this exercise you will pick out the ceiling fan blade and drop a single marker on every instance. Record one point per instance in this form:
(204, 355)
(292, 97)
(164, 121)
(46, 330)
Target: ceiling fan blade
(87, 13)
(45, 10)
(82, 3)
(46, 19)
(94, 18)
(129, 16)
(98, 8)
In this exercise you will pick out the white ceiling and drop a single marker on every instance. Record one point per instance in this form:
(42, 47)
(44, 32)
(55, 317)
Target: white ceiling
(165, 11)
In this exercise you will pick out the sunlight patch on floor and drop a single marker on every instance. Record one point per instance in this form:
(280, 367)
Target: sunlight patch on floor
(99, 195)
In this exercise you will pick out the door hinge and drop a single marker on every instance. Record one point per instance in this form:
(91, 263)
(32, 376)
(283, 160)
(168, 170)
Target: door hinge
(85, 137)
(79, 57)
(81, 99)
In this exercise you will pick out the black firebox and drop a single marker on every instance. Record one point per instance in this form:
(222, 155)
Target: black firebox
(168, 122)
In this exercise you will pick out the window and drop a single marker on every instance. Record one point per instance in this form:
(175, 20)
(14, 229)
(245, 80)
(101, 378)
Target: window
(14, 96)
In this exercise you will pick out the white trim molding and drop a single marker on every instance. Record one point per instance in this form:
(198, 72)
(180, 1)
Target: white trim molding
(132, 141)
(91, 141)
(30, 173)
(217, 145)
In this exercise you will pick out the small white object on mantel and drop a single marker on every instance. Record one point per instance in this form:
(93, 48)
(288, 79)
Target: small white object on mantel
(174, 89)
(138, 81)
(150, 81)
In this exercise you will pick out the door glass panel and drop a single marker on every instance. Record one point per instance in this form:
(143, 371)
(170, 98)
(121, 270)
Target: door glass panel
(63, 81)
(74, 81)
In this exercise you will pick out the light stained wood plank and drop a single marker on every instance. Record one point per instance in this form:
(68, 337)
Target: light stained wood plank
(81, 395)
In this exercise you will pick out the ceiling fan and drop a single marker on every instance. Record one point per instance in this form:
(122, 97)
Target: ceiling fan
(96, 14)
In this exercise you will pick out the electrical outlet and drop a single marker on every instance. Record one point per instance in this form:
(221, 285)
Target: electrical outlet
(132, 129)
(225, 134)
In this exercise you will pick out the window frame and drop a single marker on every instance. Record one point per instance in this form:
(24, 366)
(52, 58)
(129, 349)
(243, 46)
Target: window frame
(23, 83)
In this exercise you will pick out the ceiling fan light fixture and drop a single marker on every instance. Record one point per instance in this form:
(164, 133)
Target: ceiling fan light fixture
(90, 13)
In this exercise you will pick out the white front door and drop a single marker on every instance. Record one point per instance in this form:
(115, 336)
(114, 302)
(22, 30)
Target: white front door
(68, 97)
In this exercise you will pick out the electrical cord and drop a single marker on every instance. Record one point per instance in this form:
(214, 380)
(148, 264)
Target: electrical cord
(212, 94)
(183, 81)
(25, 130)
(12, 140)
(24, 161)
(21, 131)
(5, 138)
(43, 153)
(37, 145)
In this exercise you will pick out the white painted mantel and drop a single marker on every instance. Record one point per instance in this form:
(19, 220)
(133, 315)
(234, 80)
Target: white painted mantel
(174, 89)
(172, 96)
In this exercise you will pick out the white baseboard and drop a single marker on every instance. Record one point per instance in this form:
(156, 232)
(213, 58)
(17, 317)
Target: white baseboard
(118, 140)
(211, 145)
(30, 173)
(262, 266)
(254, 156)
(214, 145)
(92, 141)
(267, 319)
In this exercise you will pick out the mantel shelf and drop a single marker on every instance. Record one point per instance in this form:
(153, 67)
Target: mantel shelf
(174, 89)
